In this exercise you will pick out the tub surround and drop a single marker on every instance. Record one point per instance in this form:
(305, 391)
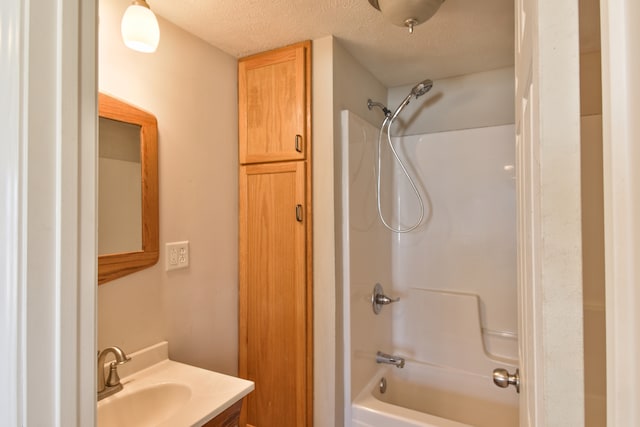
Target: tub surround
(456, 319)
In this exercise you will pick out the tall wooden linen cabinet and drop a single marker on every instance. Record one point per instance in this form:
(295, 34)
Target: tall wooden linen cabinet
(276, 342)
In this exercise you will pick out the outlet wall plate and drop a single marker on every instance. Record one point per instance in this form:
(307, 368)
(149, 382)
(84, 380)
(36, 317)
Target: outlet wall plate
(177, 255)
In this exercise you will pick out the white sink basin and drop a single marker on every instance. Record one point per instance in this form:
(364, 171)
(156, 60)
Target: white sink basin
(143, 407)
(159, 392)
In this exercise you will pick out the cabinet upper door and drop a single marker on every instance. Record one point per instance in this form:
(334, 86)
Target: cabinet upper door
(273, 105)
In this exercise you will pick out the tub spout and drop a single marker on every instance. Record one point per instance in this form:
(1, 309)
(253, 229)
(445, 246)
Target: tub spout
(389, 359)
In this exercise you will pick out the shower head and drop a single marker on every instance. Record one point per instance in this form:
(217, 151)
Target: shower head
(416, 91)
(422, 88)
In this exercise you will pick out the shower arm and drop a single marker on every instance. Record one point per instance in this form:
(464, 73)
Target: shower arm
(385, 110)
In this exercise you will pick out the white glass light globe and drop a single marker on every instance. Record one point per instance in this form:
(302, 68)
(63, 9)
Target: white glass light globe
(140, 30)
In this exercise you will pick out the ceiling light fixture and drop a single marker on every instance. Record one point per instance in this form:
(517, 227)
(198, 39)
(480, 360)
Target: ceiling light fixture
(407, 13)
(139, 27)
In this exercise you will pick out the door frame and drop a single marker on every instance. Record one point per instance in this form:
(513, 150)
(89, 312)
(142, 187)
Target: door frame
(621, 158)
(48, 221)
(549, 213)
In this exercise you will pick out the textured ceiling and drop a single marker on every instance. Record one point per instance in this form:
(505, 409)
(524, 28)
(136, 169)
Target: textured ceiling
(463, 37)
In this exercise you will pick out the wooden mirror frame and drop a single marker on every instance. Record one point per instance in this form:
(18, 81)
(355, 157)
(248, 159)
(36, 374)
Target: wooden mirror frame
(113, 266)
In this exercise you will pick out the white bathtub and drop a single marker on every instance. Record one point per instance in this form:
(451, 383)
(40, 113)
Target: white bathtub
(421, 395)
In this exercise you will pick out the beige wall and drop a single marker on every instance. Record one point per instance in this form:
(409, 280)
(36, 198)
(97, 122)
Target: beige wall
(462, 102)
(324, 308)
(190, 87)
(351, 85)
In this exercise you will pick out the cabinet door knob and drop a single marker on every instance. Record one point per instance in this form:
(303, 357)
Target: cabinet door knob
(299, 213)
(299, 143)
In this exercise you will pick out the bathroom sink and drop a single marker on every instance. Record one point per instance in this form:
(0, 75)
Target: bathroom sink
(160, 392)
(143, 407)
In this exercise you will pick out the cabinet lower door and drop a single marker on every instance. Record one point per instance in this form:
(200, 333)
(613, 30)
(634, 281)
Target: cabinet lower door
(273, 329)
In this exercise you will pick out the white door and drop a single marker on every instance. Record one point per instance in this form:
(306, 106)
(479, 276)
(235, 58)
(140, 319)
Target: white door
(549, 226)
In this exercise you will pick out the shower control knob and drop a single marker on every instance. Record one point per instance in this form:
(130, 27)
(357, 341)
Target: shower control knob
(502, 378)
(378, 298)
(384, 300)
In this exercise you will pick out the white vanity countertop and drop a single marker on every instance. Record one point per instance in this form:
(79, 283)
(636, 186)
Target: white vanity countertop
(210, 393)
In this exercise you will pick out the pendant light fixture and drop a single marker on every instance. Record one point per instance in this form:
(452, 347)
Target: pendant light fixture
(139, 27)
(407, 13)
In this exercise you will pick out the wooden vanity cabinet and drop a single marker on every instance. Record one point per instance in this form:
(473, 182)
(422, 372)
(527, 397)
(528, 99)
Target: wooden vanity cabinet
(275, 253)
(272, 99)
(230, 417)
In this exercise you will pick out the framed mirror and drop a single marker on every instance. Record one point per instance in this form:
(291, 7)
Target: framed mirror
(128, 238)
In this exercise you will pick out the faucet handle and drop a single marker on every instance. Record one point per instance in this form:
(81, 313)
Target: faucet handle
(114, 379)
(384, 300)
(378, 298)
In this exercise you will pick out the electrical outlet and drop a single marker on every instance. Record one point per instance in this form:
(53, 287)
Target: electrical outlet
(177, 255)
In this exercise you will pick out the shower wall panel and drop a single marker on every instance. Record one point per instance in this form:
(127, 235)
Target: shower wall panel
(368, 253)
(467, 243)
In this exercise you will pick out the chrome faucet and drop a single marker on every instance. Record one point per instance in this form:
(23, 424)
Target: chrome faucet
(112, 384)
(397, 361)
